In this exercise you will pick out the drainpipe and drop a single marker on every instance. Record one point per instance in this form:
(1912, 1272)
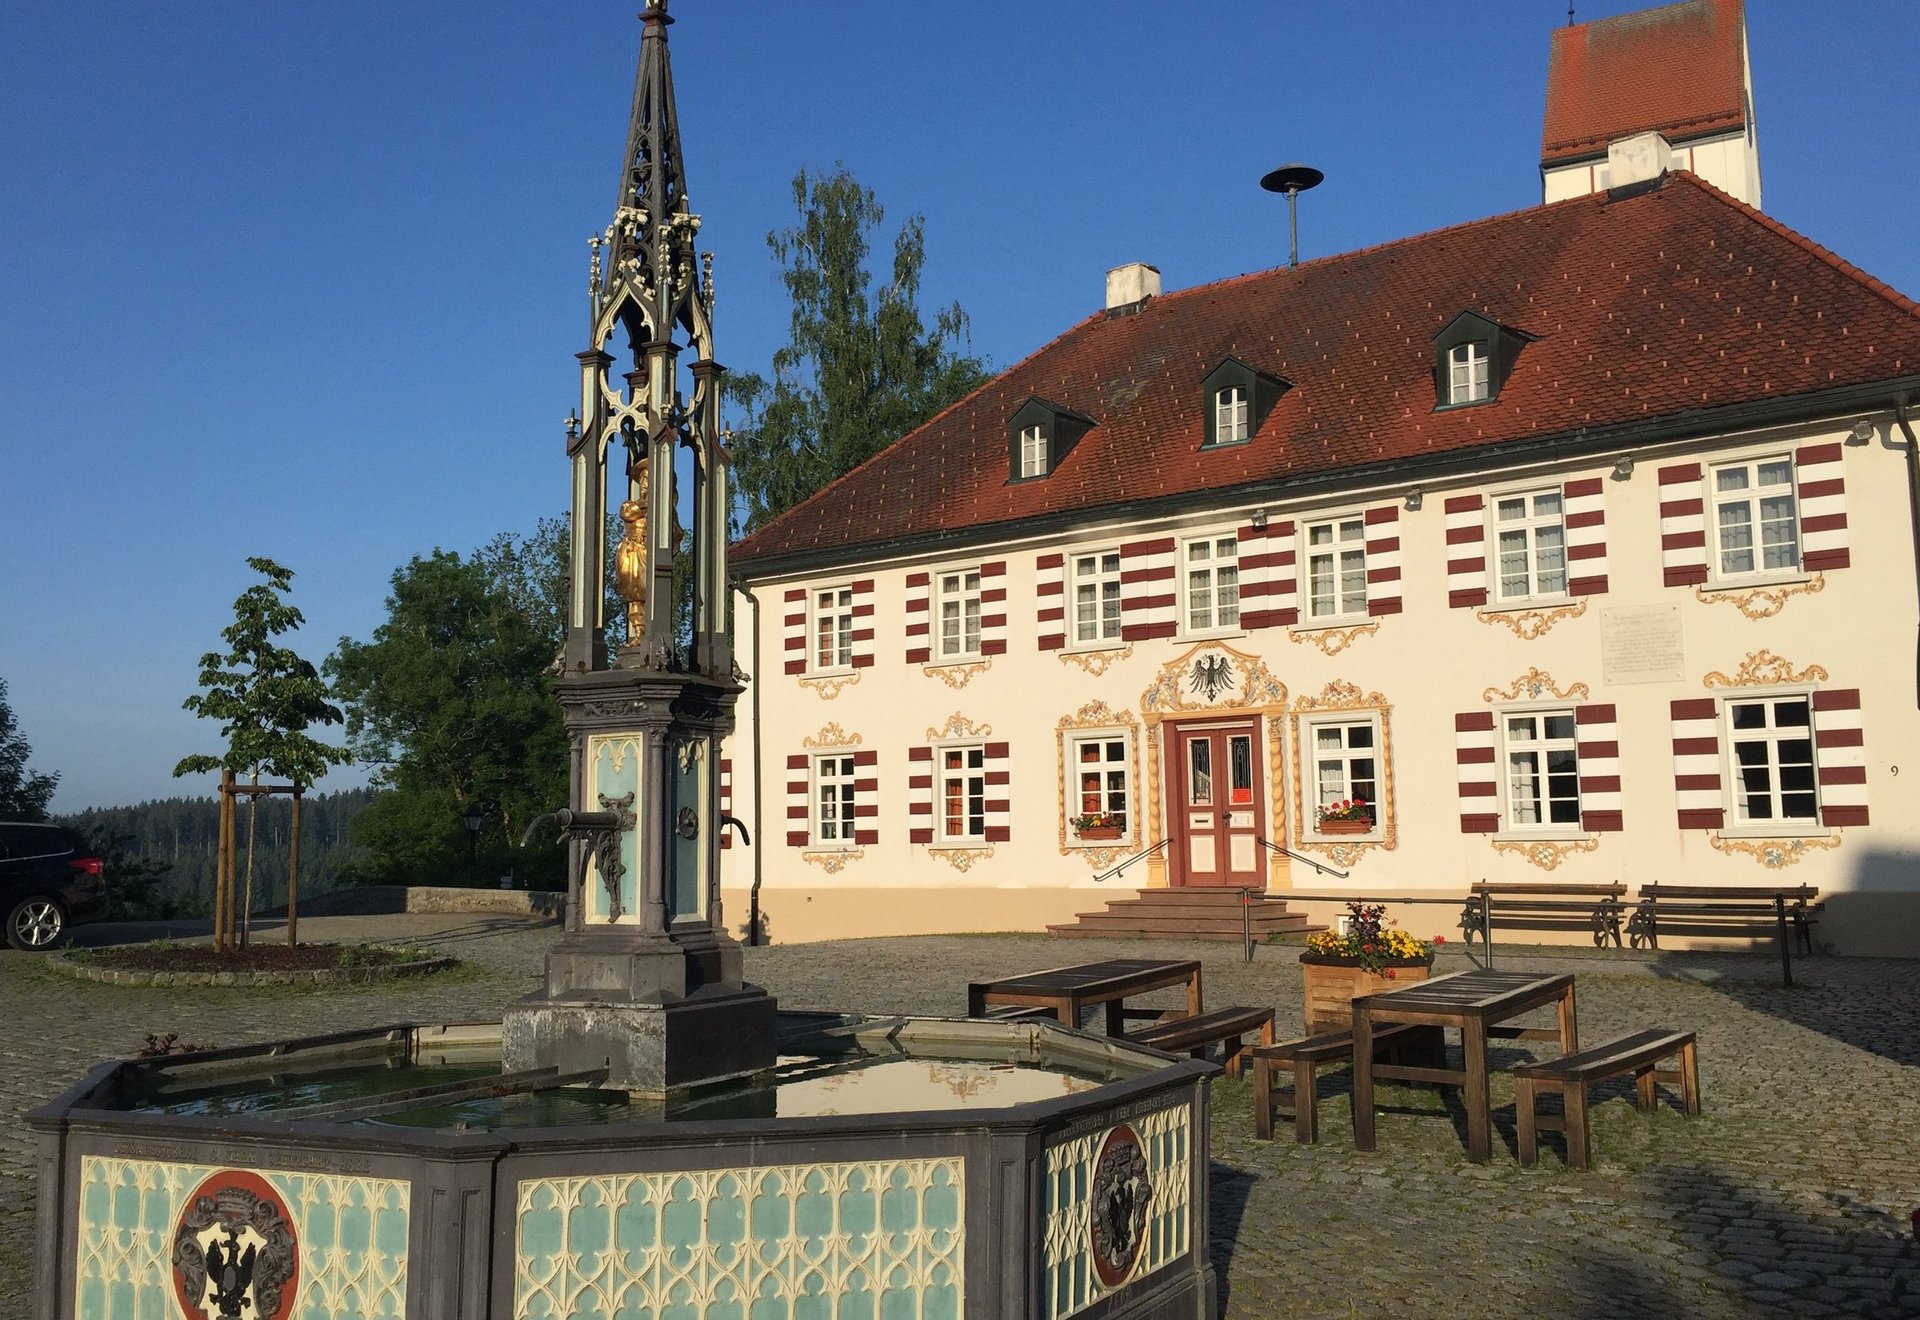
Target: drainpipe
(1913, 505)
(753, 697)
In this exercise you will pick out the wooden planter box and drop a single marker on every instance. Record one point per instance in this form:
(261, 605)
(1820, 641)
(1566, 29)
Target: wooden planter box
(1332, 988)
(1345, 827)
(1099, 833)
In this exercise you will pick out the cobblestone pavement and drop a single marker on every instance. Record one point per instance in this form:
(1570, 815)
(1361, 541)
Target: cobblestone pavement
(1790, 1196)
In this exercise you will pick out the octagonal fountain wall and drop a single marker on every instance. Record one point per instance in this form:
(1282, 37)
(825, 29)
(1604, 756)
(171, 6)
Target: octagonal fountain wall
(893, 1168)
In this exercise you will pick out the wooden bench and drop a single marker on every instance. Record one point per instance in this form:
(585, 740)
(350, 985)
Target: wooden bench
(1571, 1074)
(1403, 1043)
(1710, 909)
(1018, 1013)
(1541, 905)
(1226, 1027)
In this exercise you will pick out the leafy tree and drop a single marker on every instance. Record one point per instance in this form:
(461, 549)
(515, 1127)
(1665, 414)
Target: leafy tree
(452, 698)
(23, 793)
(860, 369)
(265, 697)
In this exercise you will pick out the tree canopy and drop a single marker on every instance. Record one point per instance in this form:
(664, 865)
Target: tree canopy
(24, 793)
(860, 369)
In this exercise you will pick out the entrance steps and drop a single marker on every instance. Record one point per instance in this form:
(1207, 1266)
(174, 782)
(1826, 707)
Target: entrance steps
(1186, 914)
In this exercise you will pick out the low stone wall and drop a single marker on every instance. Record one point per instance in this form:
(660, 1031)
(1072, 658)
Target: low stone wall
(377, 900)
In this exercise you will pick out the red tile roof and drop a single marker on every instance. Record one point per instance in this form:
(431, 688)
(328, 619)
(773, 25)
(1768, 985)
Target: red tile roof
(1675, 300)
(1680, 71)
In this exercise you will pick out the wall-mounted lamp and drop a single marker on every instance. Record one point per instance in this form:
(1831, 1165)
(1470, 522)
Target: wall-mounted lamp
(1414, 500)
(1259, 520)
(1623, 467)
(1862, 433)
(573, 426)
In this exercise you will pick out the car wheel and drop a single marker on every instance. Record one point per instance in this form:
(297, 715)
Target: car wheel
(36, 923)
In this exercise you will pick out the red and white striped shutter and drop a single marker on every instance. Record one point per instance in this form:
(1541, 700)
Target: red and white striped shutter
(1466, 551)
(1583, 504)
(1383, 560)
(1598, 732)
(919, 618)
(866, 798)
(1284, 596)
(1840, 756)
(997, 759)
(1699, 793)
(1818, 476)
(1050, 582)
(1474, 756)
(1683, 526)
(1266, 573)
(794, 630)
(920, 794)
(726, 800)
(1149, 590)
(799, 786)
(993, 608)
(863, 623)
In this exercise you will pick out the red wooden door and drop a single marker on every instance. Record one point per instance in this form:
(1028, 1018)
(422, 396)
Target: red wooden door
(1215, 812)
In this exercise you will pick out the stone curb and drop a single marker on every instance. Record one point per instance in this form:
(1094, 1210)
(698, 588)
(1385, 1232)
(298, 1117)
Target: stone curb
(315, 977)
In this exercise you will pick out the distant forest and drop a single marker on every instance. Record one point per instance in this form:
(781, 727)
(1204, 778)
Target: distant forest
(176, 841)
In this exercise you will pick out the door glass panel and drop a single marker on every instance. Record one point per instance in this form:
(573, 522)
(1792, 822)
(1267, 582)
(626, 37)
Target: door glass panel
(1240, 769)
(1200, 773)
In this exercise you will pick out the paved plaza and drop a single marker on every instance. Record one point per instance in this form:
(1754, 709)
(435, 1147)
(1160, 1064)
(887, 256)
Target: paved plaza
(1792, 1195)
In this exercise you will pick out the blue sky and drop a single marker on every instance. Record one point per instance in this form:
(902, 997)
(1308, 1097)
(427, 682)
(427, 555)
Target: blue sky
(306, 279)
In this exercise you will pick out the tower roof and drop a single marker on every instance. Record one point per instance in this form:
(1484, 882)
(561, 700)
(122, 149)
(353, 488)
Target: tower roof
(1679, 71)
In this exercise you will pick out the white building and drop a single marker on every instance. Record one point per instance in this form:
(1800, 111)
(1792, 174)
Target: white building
(1579, 543)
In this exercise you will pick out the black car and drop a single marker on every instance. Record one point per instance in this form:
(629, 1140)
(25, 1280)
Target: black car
(50, 878)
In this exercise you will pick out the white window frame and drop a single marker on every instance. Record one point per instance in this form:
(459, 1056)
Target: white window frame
(1470, 372)
(1033, 451)
(1731, 787)
(1309, 735)
(1335, 550)
(839, 609)
(1076, 803)
(837, 772)
(1510, 826)
(950, 587)
(1716, 502)
(943, 776)
(1210, 566)
(1103, 581)
(1232, 415)
(1529, 525)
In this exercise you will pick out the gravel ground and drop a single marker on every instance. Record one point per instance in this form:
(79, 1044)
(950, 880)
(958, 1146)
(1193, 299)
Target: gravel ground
(1792, 1195)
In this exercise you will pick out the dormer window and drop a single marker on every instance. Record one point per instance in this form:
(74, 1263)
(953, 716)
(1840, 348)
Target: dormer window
(1473, 356)
(1467, 372)
(1040, 435)
(1238, 398)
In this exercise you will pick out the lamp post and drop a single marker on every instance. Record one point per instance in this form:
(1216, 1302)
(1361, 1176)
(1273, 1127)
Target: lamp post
(473, 818)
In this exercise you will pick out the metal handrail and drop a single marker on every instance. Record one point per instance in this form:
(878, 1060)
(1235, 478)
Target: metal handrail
(1320, 867)
(1144, 852)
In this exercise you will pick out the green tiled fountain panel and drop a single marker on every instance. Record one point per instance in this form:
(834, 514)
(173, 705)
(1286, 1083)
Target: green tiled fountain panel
(872, 1240)
(1166, 1139)
(351, 1231)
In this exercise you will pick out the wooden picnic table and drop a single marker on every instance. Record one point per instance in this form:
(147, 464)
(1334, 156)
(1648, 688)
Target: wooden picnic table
(1067, 990)
(1475, 1003)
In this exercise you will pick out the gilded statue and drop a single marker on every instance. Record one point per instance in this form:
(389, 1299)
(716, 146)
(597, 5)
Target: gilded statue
(630, 561)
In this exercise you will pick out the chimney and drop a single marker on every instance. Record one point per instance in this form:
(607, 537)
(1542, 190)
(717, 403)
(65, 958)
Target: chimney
(1130, 285)
(1637, 160)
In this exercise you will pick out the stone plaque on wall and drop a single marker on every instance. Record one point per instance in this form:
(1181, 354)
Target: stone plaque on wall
(1642, 644)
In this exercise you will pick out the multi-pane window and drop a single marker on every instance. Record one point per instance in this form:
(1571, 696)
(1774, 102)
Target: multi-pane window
(1096, 597)
(959, 603)
(1337, 568)
(833, 785)
(1531, 539)
(1346, 764)
(1771, 742)
(1033, 452)
(1100, 766)
(1213, 583)
(962, 786)
(833, 628)
(1230, 424)
(1467, 372)
(1543, 769)
(1756, 525)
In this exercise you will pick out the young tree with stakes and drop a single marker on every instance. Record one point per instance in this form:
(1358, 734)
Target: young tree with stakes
(265, 697)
